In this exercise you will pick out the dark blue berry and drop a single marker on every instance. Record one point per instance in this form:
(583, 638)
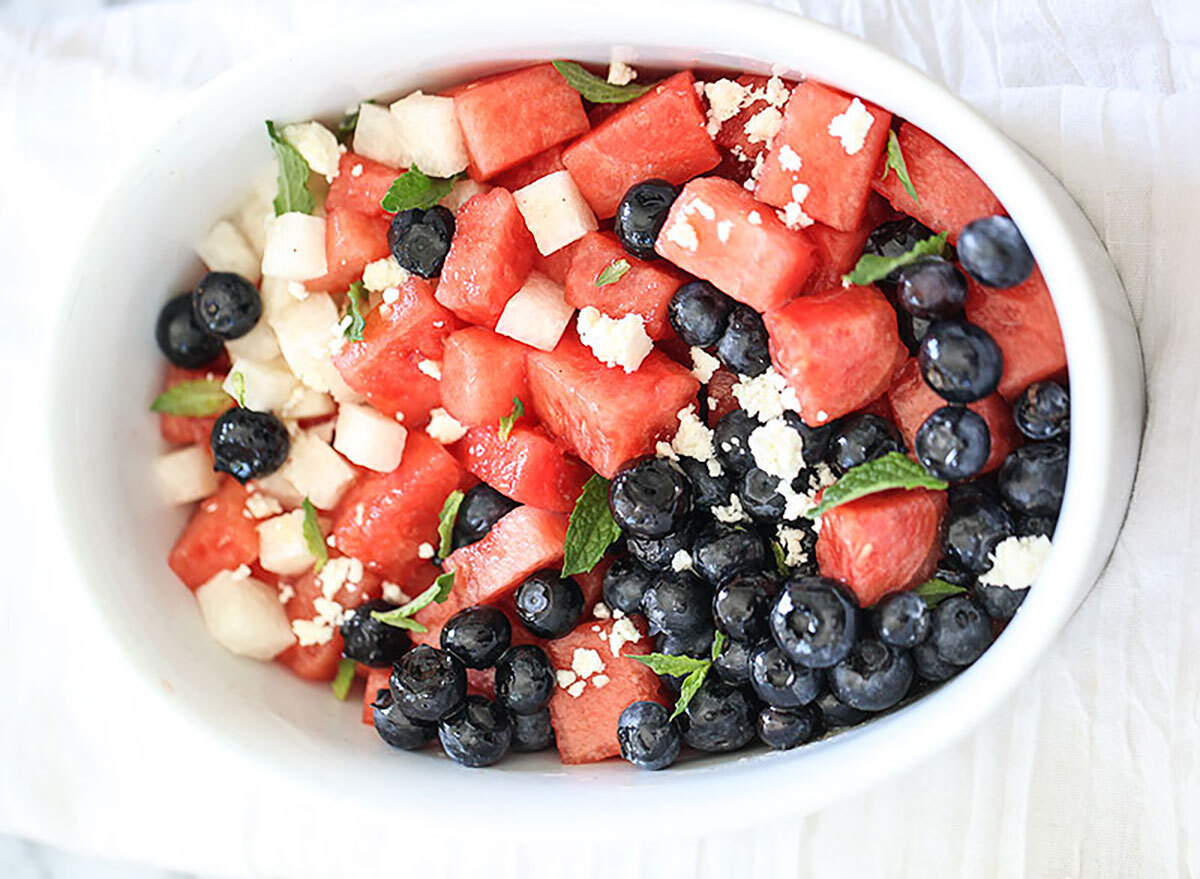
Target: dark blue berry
(182, 339)
(960, 361)
(478, 636)
(731, 440)
(1036, 526)
(369, 641)
(874, 677)
(816, 439)
(707, 490)
(815, 621)
(778, 681)
(1033, 478)
(862, 438)
(896, 238)
(477, 733)
(931, 667)
(227, 305)
(248, 444)
(975, 526)
(641, 214)
(953, 443)
(932, 288)
(912, 330)
(420, 239)
(677, 603)
(524, 679)
(743, 345)
(719, 718)
(1043, 411)
(902, 619)
(720, 551)
(961, 630)
(999, 602)
(625, 582)
(481, 508)
(699, 313)
(427, 683)
(760, 497)
(650, 497)
(732, 664)
(696, 644)
(983, 487)
(397, 728)
(835, 713)
(657, 553)
(786, 728)
(993, 252)
(649, 739)
(550, 606)
(742, 604)
(531, 732)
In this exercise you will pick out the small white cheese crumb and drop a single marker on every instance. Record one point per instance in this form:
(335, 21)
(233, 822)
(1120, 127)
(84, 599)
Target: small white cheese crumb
(431, 368)
(263, 506)
(763, 125)
(851, 127)
(789, 159)
(1016, 561)
(286, 593)
(663, 449)
(391, 296)
(425, 551)
(338, 572)
(822, 415)
(725, 98)
(297, 290)
(586, 662)
(766, 396)
(599, 681)
(601, 611)
(444, 427)
(731, 512)
(694, 438)
(357, 170)
(723, 229)
(777, 448)
(683, 234)
(565, 677)
(777, 92)
(701, 207)
(241, 572)
(623, 632)
(622, 343)
(703, 365)
(620, 73)
(393, 593)
(792, 541)
(384, 273)
(681, 561)
(576, 689)
(754, 218)
(311, 632)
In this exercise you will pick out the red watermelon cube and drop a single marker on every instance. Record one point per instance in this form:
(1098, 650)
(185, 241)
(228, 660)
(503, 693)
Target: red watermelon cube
(219, 537)
(645, 289)
(319, 662)
(592, 584)
(546, 162)
(352, 240)
(838, 349)
(882, 543)
(185, 429)
(717, 231)
(837, 171)
(732, 134)
(606, 415)
(528, 466)
(719, 391)
(489, 260)
(481, 373)
(363, 191)
(839, 251)
(661, 134)
(511, 117)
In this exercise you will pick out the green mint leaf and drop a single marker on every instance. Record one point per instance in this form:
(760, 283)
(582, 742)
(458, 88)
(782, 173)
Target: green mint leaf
(444, 583)
(446, 521)
(343, 679)
(400, 617)
(893, 470)
(313, 536)
(595, 89)
(780, 558)
(612, 272)
(591, 530)
(239, 388)
(293, 194)
(507, 422)
(349, 122)
(871, 267)
(194, 399)
(718, 644)
(937, 589)
(895, 162)
(676, 666)
(416, 189)
(356, 299)
(691, 684)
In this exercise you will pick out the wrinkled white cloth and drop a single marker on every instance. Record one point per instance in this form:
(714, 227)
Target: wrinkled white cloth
(1091, 770)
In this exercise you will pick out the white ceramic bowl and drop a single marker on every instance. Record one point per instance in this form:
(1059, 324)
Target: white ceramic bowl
(141, 251)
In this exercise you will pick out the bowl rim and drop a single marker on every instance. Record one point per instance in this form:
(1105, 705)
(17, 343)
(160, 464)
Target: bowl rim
(839, 766)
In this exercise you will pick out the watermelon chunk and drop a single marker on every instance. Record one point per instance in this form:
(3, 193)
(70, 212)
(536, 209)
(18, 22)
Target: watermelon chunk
(184, 429)
(661, 134)
(585, 725)
(912, 401)
(546, 162)
(481, 373)
(838, 181)
(528, 466)
(717, 231)
(839, 251)
(385, 516)
(219, 537)
(838, 349)
(606, 415)
(719, 391)
(360, 192)
(951, 194)
(489, 259)
(732, 135)
(352, 240)
(511, 117)
(555, 266)
(1024, 324)
(883, 542)
(592, 584)
(319, 662)
(646, 289)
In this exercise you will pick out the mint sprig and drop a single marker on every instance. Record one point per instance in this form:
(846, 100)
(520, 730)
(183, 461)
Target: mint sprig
(508, 421)
(595, 89)
(871, 267)
(937, 590)
(344, 678)
(780, 558)
(590, 530)
(401, 617)
(416, 189)
(718, 644)
(692, 670)
(446, 522)
(192, 399)
(356, 300)
(313, 536)
(238, 381)
(893, 470)
(293, 195)
(895, 162)
(612, 272)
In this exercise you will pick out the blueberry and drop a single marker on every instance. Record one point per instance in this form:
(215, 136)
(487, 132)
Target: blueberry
(531, 732)
(874, 677)
(743, 345)
(912, 330)
(524, 679)
(641, 214)
(862, 438)
(707, 490)
(720, 551)
(1035, 526)
(778, 681)
(984, 487)
(477, 733)
(742, 604)
(625, 582)
(931, 667)
(699, 313)
(932, 288)
(369, 641)
(961, 630)
(815, 621)
(1033, 478)
(649, 739)
(650, 497)
(657, 553)
(481, 508)
(975, 526)
(677, 603)
(732, 664)
(999, 602)
(953, 443)
(1043, 411)
(227, 305)
(816, 439)
(696, 644)
(955, 576)
(960, 361)
(731, 440)
(427, 683)
(895, 238)
(719, 718)
(902, 619)
(550, 606)
(760, 497)
(835, 713)
(993, 252)
(478, 636)
(420, 239)
(786, 728)
(247, 444)
(397, 728)
(182, 339)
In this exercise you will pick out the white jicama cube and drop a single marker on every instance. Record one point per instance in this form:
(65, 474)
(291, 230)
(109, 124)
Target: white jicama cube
(317, 144)
(258, 344)
(282, 548)
(295, 248)
(323, 431)
(266, 386)
(555, 211)
(276, 298)
(186, 475)
(369, 438)
(461, 192)
(429, 134)
(225, 249)
(257, 209)
(277, 486)
(307, 403)
(305, 330)
(377, 135)
(318, 472)
(537, 314)
(245, 616)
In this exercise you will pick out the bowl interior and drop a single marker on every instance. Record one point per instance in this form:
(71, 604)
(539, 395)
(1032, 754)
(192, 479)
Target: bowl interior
(141, 251)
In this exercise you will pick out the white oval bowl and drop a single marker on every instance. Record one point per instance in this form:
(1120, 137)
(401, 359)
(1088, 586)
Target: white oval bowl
(197, 170)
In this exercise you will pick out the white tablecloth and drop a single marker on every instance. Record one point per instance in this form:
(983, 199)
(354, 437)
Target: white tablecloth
(1092, 770)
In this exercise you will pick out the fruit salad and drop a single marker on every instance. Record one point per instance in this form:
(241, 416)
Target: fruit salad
(631, 416)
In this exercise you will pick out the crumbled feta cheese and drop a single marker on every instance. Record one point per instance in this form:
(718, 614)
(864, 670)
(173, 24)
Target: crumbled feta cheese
(726, 97)
(723, 229)
(763, 125)
(297, 291)
(586, 662)
(752, 180)
(681, 561)
(622, 343)
(357, 170)
(565, 677)
(329, 611)
(789, 159)
(431, 368)
(1016, 561)
(851, 127)
(241, 572)
(444, 427)
(576, 689)
(317, 144)
(286, 593)
(777, 92)
(793, 216)
(338, 572)
(394, 594)
(683, 233)
(754, 218)
(766, 396)
(601, 611)
(310, 633)
(703, 365)
(623, 632)
(599, 681)
(620, 73)
(693, 438)
(390, 296)
(426, 551)
(703, 208)
(663, 449)
(822, 415)
(262, 506)
(383, 273)
(778, 448)
(792, 541)
(731, 512)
